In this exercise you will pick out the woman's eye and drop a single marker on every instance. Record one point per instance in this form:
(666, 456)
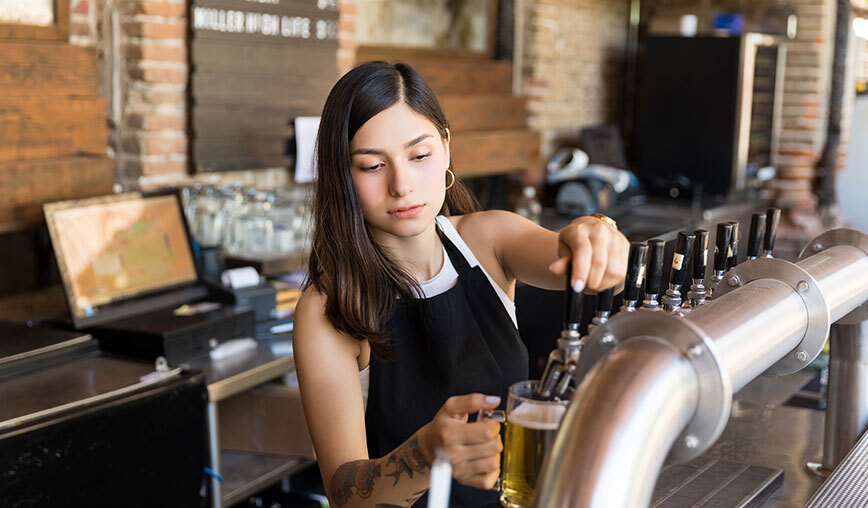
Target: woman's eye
(420, 157)
(372, 168)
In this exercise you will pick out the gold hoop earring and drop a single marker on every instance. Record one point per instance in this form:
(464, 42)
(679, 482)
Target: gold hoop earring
(449, 171)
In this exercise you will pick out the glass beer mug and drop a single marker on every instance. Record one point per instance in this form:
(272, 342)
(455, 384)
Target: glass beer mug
(531, 426)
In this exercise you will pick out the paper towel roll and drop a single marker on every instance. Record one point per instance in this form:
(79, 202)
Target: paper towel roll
(238, 278)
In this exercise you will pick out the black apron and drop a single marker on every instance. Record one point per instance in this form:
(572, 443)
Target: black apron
(455, 343)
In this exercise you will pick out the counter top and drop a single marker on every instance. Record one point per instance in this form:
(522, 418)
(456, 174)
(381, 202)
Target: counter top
(245, 370)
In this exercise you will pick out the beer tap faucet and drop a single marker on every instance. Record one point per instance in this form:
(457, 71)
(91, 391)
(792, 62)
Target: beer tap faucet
(697, 293)
(655, 274)
(732, 253)
(635, 276)
(683, 246)
(564, 360)
(773, 217)
(721, 254)
(757, 224)
(603, 309)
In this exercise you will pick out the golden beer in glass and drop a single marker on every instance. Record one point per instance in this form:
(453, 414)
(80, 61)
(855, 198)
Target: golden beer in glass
(531, 426)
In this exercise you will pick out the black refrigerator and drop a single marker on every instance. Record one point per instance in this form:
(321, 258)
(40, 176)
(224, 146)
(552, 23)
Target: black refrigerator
(710, 111)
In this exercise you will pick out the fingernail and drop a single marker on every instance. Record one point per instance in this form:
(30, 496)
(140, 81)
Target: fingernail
(492, 399)
(578, 286)
(552, 266)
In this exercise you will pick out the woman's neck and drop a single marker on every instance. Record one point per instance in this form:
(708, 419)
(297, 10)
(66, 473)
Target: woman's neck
(420, 255)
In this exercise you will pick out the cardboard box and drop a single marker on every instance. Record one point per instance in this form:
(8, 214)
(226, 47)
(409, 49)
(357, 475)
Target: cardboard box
(266, 419)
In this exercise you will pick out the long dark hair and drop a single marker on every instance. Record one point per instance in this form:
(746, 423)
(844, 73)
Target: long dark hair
(360, 279)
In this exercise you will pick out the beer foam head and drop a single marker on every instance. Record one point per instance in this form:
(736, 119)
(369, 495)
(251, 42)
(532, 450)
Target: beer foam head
(537, 416)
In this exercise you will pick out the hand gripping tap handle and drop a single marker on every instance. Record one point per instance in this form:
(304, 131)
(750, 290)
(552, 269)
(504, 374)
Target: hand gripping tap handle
(655, 267)
(572, 302)
(757, 224)
(732, 255)
(721, 246)
(773, 217)
(559, 369)
(700, 254)
(683, 246)
(635, 272)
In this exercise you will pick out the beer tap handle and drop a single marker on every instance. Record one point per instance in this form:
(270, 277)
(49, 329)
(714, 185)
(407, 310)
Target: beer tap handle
(551, 376)
(757, 224)
(572, 302)
(732, 254)
(635, 272)
(721, 247)
(683, 247)
(604, 302)
(700, 254)
(773, 217)
(655, 272)
(568, 377)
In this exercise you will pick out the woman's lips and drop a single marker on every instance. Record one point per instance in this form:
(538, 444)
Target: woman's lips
(406, 212)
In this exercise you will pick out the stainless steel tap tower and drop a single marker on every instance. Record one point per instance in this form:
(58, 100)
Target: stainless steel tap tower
(658, 386)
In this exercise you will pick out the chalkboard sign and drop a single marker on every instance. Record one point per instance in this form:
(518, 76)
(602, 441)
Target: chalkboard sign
(255, 66)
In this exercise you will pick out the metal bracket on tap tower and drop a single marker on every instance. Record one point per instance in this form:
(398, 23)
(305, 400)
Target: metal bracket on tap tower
(804, 284)
(834, 238)
(715, 387)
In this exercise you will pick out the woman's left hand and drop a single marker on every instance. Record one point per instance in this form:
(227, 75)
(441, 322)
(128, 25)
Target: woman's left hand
(599, 254)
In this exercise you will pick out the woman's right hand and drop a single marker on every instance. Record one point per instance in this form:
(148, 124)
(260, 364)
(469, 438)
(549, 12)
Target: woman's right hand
(473, 448)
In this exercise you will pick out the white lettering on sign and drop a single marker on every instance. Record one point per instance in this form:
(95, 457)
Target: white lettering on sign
(290, 27)
(326, 29)
(331, 5)
(295, 27)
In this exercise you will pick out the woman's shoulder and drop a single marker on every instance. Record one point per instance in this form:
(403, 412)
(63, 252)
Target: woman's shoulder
(482, 224)
(311, 302)
(310, 323)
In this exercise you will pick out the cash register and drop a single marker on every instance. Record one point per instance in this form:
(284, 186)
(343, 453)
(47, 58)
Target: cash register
(130, 279)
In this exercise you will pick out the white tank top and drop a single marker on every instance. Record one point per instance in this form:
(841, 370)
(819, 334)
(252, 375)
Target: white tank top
(445, 279)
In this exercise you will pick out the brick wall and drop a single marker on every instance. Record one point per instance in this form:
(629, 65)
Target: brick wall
(142, 50)
(805, 104)
(142, 53)
(346, 36)
(573, 57)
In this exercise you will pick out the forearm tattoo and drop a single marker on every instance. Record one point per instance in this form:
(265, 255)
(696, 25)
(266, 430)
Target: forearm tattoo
(407, 458)
(357, 477)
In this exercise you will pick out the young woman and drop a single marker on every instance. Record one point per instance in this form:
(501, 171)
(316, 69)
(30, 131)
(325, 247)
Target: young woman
(407, 326)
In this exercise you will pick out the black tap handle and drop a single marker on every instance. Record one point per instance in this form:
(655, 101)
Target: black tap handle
(757, 224)
(732, 255)
(700, 253)
(635, 271)
(572, 302)
(683, 246)
(604, 300)
(773, 217)
(721, 246)
(655, 266)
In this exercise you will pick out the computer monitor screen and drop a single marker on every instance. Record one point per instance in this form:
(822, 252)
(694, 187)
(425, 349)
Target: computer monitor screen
(116, 247)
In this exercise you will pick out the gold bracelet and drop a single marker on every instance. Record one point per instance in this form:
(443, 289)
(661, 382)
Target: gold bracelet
(606, 219)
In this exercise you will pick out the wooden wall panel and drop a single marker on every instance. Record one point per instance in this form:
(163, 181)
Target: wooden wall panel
(33, 126)
(26, 184)
(476, 112)
(490, 152)
(249, 81)
(46, 69)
